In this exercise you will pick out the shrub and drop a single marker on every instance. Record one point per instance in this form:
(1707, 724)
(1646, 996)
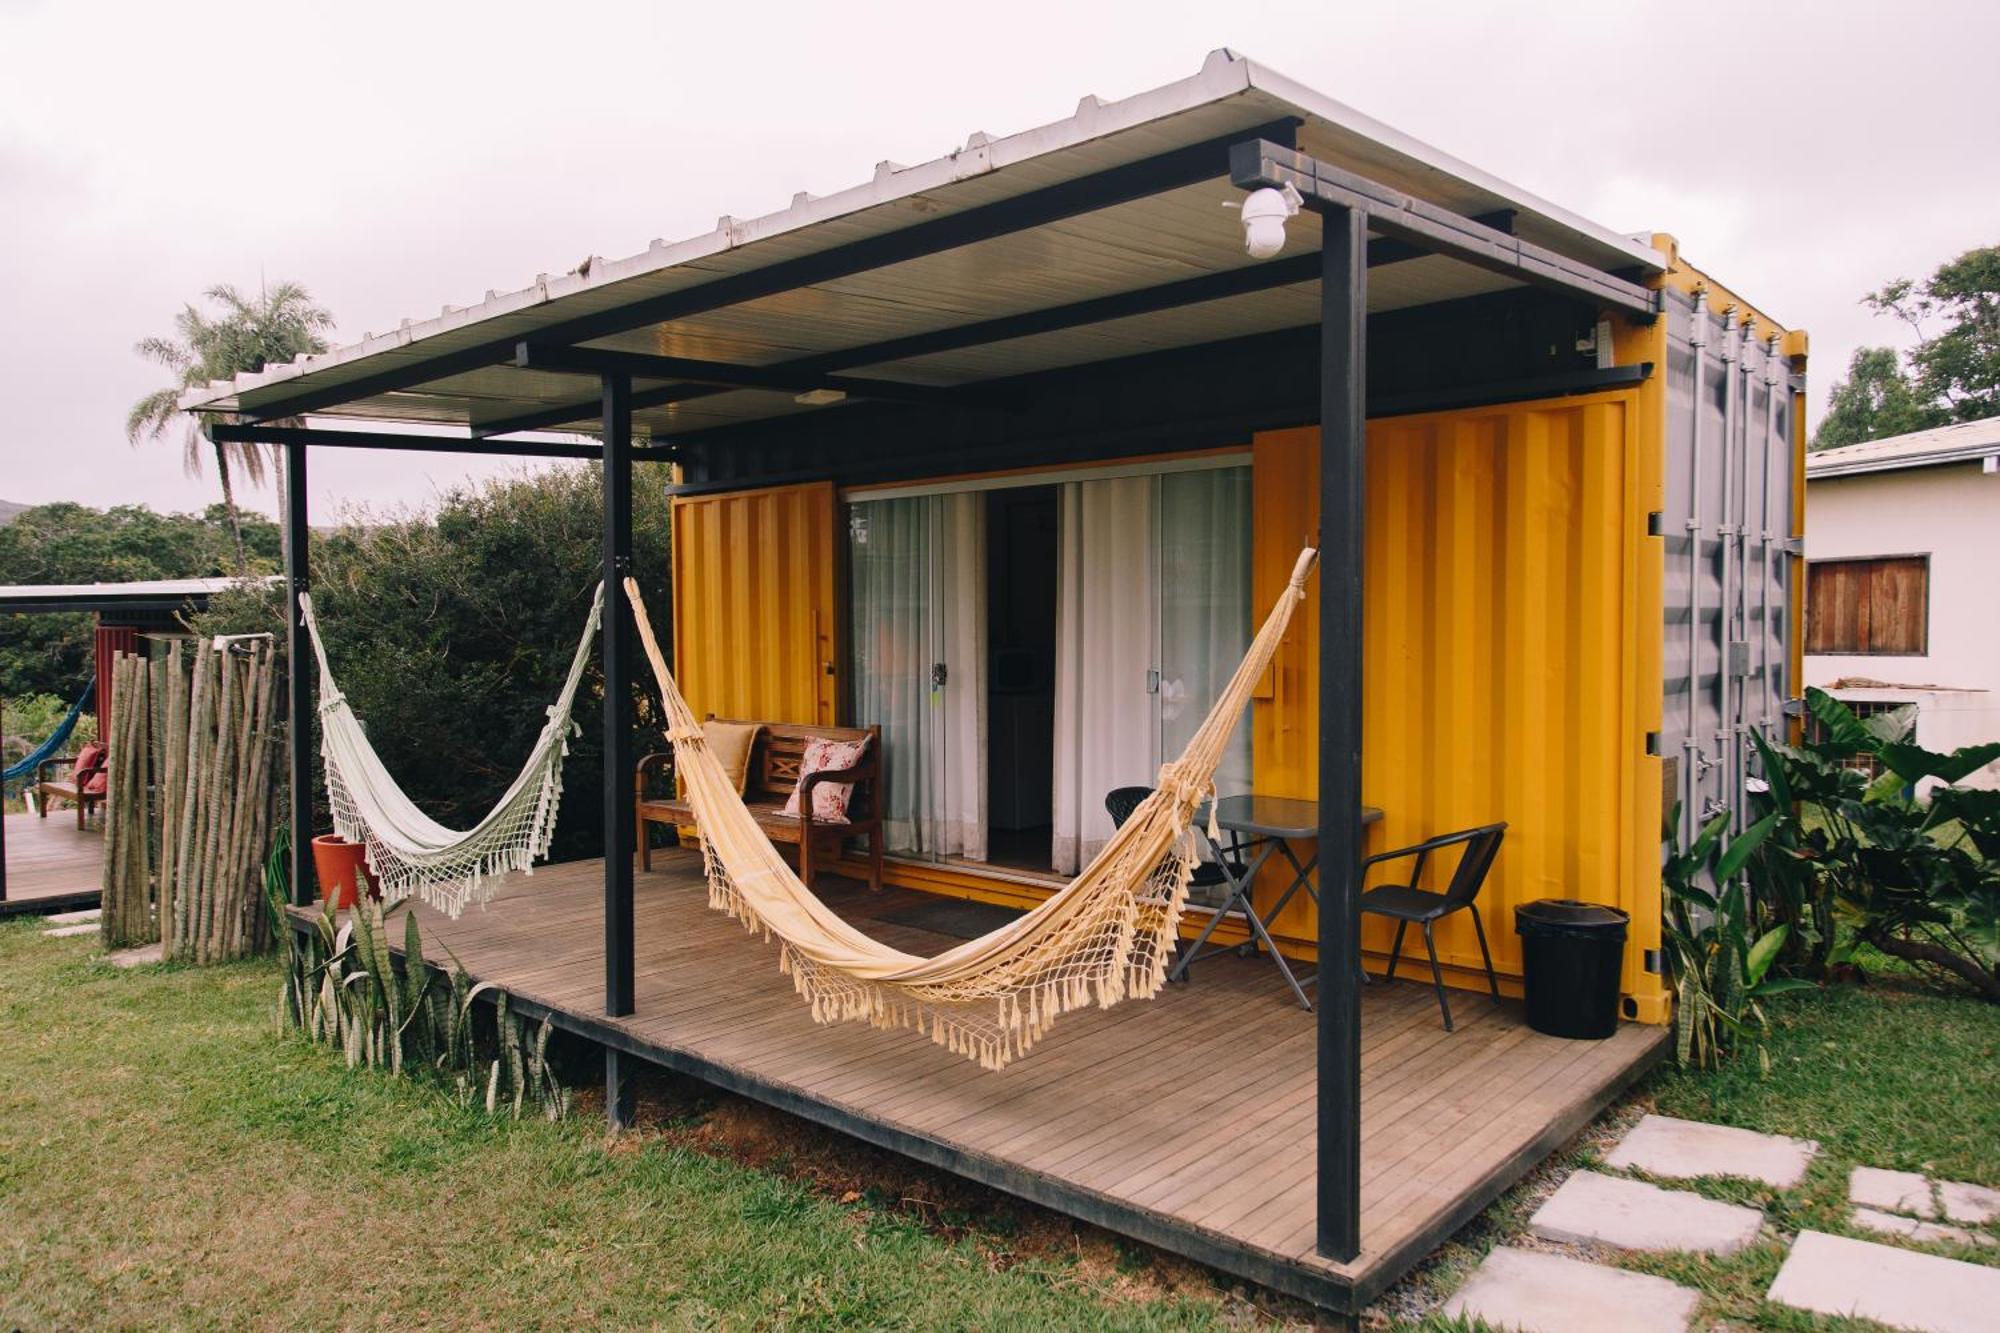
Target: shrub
(450, 634)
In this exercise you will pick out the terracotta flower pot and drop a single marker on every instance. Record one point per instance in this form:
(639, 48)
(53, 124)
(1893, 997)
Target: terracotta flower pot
(342, 867)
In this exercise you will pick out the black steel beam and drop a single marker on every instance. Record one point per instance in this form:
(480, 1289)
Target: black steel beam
(1170, 170)
(1510, 391)
(614, 643)
(298, 670)
(286, 436)
(1342, 441)
(781, 378)
(1244, 281)
(1324, 187)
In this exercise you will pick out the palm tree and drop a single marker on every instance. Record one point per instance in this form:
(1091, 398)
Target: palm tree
(281, 324)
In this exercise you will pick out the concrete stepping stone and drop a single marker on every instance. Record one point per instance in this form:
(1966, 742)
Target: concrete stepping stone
(1660, 1145)
(1894, 1224)
(1890, 1191)
(136, 957)
(1969, 1203)
(1904, 1288)
(71, 918)
(64, 932)
(1551, 1293)
(1632, 1215)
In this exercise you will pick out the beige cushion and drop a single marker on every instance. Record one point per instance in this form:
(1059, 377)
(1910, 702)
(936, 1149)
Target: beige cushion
(731, 744)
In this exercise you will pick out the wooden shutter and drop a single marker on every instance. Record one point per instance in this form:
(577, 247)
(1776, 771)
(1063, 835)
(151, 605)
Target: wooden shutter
(1877, 606)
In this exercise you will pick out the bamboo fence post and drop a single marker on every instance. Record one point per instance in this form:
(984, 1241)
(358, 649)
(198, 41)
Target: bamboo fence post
(213, 840)
(186, 850)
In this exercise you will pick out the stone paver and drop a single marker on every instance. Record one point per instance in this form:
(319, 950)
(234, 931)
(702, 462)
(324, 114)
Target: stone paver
(139, 957)
(1891, 1191)
(1895, 1224)
(1550, 1293)
(1597, 1209)
(1969, 1203)
(1684, 1149)
(64, 932)
(71, 918)
(1904, 1288)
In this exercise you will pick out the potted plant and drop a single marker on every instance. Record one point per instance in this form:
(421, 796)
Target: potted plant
(342, 867)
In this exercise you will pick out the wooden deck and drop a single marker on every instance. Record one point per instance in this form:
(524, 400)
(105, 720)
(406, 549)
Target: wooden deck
(1186, 1122)
(52, 866)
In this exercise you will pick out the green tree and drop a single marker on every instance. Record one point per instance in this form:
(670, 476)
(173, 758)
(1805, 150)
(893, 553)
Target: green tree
(450, 633)
(280, 324)
(1958, 369)
(1875, 401)
(72, 543)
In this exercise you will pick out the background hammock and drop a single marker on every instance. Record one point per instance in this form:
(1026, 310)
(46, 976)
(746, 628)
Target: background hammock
(26, 765)
(410, 852)
(1104, 937)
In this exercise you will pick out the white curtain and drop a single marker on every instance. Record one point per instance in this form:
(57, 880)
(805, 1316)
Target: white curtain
(1106, 734)
(1205, 608)
(919, 605)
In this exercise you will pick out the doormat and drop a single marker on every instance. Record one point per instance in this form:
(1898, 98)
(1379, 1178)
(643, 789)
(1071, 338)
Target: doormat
(959, 918)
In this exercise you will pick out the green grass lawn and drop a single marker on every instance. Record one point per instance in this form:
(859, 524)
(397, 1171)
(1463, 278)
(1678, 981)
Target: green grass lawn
(167, 1159)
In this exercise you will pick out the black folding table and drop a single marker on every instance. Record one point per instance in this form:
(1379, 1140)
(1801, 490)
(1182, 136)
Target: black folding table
(1270, 824)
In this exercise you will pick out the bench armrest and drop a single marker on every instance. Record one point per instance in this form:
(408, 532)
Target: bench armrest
(648, 767)
(42, 769)
(862, 775)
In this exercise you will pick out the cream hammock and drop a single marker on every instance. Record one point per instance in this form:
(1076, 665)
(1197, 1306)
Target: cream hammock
(1105, 937)
(408, 850)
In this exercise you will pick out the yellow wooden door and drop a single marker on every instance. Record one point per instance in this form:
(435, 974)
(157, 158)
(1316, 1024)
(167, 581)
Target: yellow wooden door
(756, 624)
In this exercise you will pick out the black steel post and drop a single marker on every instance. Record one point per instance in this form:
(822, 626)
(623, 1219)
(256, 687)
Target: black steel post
(1343, 413)
(299, 669)
(615, 643)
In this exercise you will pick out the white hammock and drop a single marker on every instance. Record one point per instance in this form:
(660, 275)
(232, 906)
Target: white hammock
(1104, 937)
(408, 850)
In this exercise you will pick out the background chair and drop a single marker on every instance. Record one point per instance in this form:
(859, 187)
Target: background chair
(1120, 802)
(1405, 903)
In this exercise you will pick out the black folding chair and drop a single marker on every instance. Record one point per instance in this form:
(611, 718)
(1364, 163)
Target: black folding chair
(1405, 903)
(1120, 802)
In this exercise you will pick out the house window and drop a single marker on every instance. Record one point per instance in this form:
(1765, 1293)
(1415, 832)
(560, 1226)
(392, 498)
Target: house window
(1874, 607)
(1865, 709)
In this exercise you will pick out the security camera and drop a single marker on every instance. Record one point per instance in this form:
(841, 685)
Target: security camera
(1264, 215)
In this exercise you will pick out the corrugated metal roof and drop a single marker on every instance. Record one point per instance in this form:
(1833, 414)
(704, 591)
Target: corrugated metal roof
(1962, 442)
(1130, 246)
(138, 593)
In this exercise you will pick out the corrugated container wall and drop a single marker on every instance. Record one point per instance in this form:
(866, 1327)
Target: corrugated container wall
(1732, 545)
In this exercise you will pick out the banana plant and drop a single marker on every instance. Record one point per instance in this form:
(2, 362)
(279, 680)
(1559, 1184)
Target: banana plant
(1721, 973)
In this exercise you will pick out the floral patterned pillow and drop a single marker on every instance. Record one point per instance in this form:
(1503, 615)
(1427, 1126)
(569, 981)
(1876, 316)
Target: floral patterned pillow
(830, 799)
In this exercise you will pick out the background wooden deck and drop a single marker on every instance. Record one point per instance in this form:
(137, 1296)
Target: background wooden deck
(1186, 1121)
(51, 864)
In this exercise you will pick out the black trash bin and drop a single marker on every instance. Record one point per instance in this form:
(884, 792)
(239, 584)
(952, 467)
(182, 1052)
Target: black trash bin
(1571, 957)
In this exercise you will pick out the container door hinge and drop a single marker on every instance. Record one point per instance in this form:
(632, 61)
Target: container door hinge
(1795, 708)
(1656, 962)
(1794, 545)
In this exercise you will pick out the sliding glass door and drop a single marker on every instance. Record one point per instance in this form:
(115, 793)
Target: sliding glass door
(1153, 615)
(918, 568)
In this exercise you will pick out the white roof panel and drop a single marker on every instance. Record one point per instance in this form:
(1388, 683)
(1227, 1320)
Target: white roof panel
(1126, 247)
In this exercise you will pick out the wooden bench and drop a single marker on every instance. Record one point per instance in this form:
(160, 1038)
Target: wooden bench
(85, 789)
(775, 761)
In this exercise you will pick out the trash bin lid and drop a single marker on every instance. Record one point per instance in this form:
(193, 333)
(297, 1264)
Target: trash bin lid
(1568, 916)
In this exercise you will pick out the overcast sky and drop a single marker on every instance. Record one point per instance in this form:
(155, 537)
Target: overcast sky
(398, 157)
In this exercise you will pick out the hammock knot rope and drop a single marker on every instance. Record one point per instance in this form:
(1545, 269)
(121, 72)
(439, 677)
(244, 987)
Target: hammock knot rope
(1106, 936)
(410, 852)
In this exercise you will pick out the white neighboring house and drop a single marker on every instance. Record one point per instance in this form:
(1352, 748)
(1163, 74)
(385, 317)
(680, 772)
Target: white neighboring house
(1903, 580)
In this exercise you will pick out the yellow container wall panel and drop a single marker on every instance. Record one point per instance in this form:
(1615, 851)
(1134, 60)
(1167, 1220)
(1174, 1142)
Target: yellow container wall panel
(755, 623)
(1501, 657)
